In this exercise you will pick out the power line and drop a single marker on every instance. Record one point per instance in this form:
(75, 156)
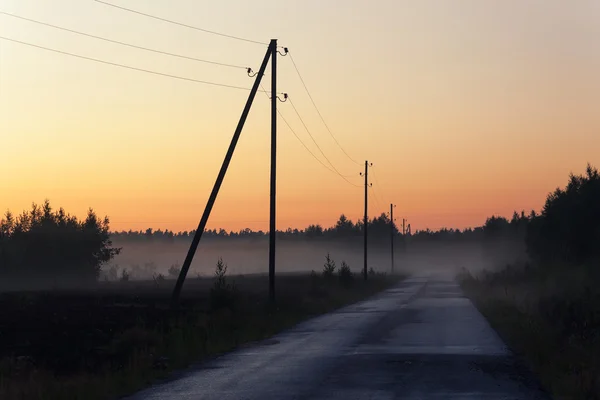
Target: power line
(371, 205)
(319, 112)
(125, 66)
(377, 181)
(295, 134)
(316, 144)
(300, 140)
(375, 196)
(180, 24)
(123, 43)
(304, 144)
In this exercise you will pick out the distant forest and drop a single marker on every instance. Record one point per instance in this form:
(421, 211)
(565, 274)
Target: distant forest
(567, 229)
(44, 242)
(379, 229)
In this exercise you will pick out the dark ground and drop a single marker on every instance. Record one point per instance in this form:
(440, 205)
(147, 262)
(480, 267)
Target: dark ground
(118, 337)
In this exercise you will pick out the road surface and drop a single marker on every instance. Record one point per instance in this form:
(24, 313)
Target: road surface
(419, 340)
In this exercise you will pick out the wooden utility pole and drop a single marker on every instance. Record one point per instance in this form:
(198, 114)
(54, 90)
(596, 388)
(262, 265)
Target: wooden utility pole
(403, 235)
(366, 219)
(392, 232)
(272, 227)
(215, 191)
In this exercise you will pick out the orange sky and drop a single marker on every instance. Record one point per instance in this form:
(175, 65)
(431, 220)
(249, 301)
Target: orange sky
(466, 109)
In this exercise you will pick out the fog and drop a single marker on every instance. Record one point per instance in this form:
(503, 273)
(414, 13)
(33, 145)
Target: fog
(250, 256)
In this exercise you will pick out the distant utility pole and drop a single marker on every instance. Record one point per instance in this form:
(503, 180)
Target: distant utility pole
(272, 228)
(403, 235)
(392, 206)
(366, 220)
(215, 191)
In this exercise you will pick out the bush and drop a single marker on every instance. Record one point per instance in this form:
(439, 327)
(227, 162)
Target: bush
(222, 294)
(345, 274)
(125, 275)
(174, 271)
(158, 279)
(113, 273)
(328, 268)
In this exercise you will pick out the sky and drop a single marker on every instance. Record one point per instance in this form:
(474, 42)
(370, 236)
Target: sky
(466, 109)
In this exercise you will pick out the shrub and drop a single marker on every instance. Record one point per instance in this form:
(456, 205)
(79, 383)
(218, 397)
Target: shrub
(158, 279)
(125, 344)
(328, 268)
(174, 271)
(223, 293)
(125, 275)
(345, 274)
(112, 274)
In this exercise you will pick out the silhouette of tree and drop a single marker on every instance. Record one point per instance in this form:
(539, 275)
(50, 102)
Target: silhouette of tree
(568, 228)
(314, 231)
(43, 244)
(344, 227)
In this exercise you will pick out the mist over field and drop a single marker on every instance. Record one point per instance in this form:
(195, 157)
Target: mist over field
(78, 254)
(250, 256)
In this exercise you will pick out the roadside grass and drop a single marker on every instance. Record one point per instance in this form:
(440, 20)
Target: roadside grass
(550, 317)
(122, 337)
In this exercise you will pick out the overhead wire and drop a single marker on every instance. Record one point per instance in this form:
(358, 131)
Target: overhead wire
(180, 23)
(375, 196)
(316, 144)
(377, 181)
(318, 111)
(123, 43)
(125, 66)
(299, 139)
(370, 212)
(302, 142)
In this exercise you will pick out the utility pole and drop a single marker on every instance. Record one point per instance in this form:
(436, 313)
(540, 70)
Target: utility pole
(403, 235)
(215, 191)
(366, 219)
(272, 227)
(392, 206)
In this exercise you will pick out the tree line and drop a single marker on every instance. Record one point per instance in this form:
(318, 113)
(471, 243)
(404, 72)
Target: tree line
(344, 228)
(379, 228)
(44, 243)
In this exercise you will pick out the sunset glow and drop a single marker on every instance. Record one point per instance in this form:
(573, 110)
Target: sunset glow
(466, 109)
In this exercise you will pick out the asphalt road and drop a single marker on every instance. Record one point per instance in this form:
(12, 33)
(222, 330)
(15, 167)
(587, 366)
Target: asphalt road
(420, 340)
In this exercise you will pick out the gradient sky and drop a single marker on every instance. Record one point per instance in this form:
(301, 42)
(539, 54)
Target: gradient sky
(467, 108)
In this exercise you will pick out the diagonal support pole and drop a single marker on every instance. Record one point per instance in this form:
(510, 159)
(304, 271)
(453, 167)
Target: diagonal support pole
(215, 191)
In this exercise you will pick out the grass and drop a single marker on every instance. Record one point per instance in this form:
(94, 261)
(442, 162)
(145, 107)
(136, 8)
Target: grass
(550, 317)
(122, 336)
